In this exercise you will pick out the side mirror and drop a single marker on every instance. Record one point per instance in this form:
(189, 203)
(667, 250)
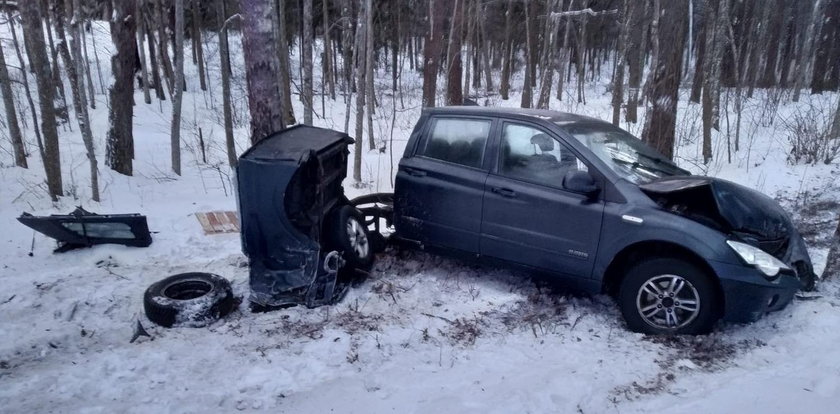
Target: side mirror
(580, 182)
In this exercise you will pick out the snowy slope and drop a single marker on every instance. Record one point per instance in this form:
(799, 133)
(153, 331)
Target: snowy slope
(422, 334)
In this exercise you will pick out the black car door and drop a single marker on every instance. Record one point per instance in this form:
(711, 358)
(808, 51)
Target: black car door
(439, 188)
(528, 217)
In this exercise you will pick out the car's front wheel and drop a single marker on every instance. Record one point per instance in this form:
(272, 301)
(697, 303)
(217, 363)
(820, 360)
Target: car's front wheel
(668, 296)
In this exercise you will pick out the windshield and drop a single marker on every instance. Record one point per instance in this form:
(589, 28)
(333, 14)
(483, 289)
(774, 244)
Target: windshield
(625, 154)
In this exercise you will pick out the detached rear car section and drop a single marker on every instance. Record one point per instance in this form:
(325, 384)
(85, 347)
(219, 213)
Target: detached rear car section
(301, 234)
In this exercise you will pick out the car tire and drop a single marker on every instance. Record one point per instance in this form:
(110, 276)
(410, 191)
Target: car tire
(350, 236)
(188, 299)
(668, 296)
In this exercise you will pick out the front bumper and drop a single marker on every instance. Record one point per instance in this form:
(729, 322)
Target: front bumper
(748, 295)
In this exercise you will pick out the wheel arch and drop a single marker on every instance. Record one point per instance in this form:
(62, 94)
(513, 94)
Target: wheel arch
(636, 252)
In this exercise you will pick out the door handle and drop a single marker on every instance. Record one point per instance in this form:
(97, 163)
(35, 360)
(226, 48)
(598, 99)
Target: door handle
(415, 172)
(504, 192)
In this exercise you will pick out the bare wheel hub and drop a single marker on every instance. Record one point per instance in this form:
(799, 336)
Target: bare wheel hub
(358, 238)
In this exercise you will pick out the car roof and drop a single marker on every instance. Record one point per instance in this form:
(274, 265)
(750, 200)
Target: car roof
(555, 117)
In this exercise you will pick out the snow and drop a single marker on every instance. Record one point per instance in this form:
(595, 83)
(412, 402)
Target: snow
(421, 334)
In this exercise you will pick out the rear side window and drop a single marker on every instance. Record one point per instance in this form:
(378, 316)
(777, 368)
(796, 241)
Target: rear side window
(457, 140)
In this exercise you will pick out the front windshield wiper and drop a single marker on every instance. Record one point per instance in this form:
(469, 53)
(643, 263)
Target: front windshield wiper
(669, 163)
(636, 165)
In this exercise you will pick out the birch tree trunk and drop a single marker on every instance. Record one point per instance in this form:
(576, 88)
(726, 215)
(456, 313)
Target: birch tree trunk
(11, 113)
(40, 64)
(261, 68)
(177, 98)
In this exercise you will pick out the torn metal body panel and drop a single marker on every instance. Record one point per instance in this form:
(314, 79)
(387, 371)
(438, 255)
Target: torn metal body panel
(82, 228)
(287, 183)
(744, 214)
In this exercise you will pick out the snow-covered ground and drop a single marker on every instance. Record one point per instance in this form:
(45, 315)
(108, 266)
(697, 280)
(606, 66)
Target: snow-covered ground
(421, 334)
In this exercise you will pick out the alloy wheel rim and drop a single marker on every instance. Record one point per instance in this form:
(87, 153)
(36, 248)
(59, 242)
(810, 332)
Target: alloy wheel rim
(668, 302)
(358, 238)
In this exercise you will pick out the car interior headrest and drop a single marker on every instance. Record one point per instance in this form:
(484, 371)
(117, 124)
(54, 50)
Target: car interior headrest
(543, 141)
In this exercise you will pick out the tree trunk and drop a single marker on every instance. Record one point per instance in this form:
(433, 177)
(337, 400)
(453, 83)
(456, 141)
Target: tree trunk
(470, 46)
(454, 69)
(635, 60)
(77, 83)
(527, 85)
(507, 51)
(177, 98)
(660, 122)
(565, 55)
(40, 64)
(11, 113)
(285, 71)
(27, 91)
(153, 62)
(804, 58)
(198, 47)
(224, 56)
(120, 144)
(485, 58)
(832, 262)
(163, 48)
(369, 69)
(711, 77)
(261, 67)
(618, 76)
(697, 81)
(329, 61)
(144, 72)
(549, 65)
(306, 61)
(361, 30)
(91, 93)
(431, 51)
(63, 113)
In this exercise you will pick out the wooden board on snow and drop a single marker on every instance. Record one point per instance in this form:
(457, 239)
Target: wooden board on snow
(216, 222)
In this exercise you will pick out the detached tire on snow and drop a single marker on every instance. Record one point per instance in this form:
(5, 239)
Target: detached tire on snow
(188, 299)
(349, 235)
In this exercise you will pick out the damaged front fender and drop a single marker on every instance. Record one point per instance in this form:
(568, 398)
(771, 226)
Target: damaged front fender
(740, 212)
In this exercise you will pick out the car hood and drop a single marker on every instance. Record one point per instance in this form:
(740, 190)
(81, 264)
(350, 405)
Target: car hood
(740, 212)
(731, 208)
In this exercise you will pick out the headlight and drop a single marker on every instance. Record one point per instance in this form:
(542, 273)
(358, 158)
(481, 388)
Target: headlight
(763, 261)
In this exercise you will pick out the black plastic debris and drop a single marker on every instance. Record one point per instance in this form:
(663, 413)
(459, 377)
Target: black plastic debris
(287, 183)
(82, 228)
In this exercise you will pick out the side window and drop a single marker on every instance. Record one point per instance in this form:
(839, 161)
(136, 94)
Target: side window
(457, 140)
(531, 155)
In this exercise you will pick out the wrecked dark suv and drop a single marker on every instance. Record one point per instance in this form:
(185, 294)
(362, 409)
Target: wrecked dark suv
(588, 202)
